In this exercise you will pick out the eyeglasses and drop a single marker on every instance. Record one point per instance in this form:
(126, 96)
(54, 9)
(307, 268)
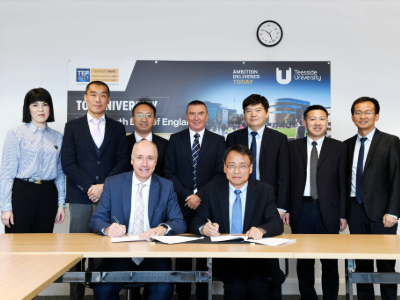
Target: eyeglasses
(242, 167)
(141, 116)
(367, 113)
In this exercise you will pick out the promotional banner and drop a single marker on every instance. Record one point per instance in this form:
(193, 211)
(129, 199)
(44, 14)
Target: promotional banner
(290, 88)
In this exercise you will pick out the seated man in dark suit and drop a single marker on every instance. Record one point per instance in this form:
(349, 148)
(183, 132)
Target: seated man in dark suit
(144, 203)
(144, 118)
(239, 205)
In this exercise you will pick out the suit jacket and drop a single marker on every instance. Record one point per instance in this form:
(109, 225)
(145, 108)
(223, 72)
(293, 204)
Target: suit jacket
(331, 181)
(179, 165)
(381, 175)
(161, 144)
(80, 161)
(260, 212)
(116, 201)
(274, 160)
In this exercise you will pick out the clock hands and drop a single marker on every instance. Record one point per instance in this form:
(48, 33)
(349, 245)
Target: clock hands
(269, 33)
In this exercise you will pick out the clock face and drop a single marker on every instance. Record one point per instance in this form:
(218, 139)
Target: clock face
(269, 33)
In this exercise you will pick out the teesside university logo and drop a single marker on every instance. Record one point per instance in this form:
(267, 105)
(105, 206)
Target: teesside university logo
(82, 75)
(279, 76)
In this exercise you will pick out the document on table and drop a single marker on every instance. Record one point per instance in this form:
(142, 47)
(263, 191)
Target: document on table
(128, 238)
(271, 241)
(230, 237)
(175, 239)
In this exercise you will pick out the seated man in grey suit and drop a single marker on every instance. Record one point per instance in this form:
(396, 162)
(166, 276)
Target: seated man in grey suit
(143, 203)
(239, 205)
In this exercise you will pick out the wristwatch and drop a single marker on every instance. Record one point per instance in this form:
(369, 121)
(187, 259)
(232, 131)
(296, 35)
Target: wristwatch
(165, 226)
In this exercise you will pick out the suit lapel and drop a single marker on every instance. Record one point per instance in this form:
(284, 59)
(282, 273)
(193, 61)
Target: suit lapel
(107, 135)
(186, 145)
(204, 144)
(243, 137)
(352, 146)
(251, 198)
(303, 150)
(153, 196)
(223, 197)
(88, 137)
(326, 146)
(374, 145)
(127, 198)
(265, 139)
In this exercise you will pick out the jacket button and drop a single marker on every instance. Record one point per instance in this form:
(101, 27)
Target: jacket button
(98, 162)
(97, 177)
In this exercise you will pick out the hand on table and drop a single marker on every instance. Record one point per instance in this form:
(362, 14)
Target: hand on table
(158, 231)
(115, 230)
(255, 233)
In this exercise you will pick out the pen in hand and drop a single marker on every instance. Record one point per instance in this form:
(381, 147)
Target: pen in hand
(116, 220)
(209, 221)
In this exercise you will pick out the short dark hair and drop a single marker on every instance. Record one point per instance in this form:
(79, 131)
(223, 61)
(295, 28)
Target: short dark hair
(145, 101)
(35, 95)
(365, 99)
(240, 149)
(196, 102)
(101, 83)
(255, 99)
(314, 107)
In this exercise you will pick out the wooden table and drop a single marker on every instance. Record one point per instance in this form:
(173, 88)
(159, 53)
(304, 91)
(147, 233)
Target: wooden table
(23, 276)
(341, 246)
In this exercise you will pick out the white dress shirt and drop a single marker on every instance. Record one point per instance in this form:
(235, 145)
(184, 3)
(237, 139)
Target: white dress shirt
(309, 148)
(258, 143)
(232, 198)
(192, 138)
(102, 124)
(149, 137)
(145, 194)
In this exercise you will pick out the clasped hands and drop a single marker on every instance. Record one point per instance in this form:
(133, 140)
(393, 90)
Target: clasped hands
(94, 192)
(213, 230)
(117, 230)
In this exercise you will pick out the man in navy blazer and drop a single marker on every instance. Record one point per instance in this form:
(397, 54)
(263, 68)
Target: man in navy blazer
(143, 203)
(94, 147)
(193, 158)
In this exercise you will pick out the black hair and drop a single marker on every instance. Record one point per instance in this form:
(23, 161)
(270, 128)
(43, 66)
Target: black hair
(145, 101)
(35, 95)
(365, 99)
(255, 99)
(101, 83)
(240, 149)
(314, 107)
(196, 102)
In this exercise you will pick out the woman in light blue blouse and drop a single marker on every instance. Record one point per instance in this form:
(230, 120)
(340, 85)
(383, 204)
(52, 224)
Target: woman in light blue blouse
(32, 183)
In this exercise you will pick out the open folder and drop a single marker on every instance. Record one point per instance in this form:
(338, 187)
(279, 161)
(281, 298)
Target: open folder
(264, 241)
(169, 239)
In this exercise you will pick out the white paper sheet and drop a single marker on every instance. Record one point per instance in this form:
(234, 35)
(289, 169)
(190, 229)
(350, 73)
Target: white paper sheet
(271, 241)
(128, 238)
(175, 239)
(223, 238)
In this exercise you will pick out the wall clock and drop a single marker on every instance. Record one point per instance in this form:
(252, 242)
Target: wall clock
(269, 33)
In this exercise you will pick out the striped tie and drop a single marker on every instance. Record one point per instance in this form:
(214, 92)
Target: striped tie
(237, 226)
(138, 224)
(313, 171)
(195, 156)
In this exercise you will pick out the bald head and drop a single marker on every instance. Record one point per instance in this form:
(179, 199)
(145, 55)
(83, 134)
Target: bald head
(144, 159)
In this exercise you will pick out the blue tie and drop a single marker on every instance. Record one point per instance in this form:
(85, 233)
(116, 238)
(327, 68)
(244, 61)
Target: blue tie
(237, 226)
(253, 149)
(195, 156)
(360, 167)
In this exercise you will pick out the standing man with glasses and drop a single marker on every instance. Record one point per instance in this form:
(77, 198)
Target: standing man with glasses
(94, 148)
(374, 187)
(270, 148)
(144, 118)
(193, 158)
(317, 197)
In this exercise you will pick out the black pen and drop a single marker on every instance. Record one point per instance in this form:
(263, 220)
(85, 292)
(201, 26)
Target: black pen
(209, 221)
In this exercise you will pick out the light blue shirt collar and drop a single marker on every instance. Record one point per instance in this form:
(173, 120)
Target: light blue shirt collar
(369, 136)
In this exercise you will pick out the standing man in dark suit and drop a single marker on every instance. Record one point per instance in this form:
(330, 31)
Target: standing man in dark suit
(270, 148)
(374, 187)
(144, 204)
(94, 147)
(317, 197)
(193, 158)
(239, 205)
(144, 118)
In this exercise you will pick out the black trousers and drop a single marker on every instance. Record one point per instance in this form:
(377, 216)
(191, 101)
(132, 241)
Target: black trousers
(34, 207)
(310, 221)
(359, 223)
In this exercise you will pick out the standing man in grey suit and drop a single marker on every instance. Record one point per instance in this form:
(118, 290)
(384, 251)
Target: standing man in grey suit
(94, 148)
(374, 187)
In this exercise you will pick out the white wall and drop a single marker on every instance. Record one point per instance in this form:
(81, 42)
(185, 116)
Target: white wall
(360, 38)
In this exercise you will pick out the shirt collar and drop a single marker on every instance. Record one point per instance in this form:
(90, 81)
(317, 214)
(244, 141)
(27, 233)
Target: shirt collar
(192, 133)
(243, 188)
(369, 136)
(319, 142)
(259, 131)
(149, 137)
(136, 181)
(89, 117)
(33, 127)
